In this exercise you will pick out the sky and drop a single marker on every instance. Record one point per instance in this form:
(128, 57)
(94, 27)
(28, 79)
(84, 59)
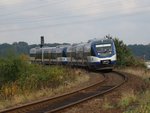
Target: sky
(74, 21)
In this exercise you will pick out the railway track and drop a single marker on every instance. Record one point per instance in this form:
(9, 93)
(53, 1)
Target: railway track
(110, 82)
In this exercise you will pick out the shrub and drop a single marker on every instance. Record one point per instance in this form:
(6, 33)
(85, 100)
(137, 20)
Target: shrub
(17, 72)
(125, 56)
(10, 69)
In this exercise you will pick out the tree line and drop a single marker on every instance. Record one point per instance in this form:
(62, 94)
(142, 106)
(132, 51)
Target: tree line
(17, 48)
(141, 51)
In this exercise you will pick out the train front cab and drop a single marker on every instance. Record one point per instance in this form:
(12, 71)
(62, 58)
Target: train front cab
(103, 56)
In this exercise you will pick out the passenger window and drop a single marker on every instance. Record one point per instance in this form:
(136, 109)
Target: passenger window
(92, 52)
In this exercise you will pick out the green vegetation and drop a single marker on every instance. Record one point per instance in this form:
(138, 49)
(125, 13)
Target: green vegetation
(141, 51)
(107, 105)
(142, 104)
(138, 102)
(127, 98)
(19, 76)
(22, 82)
(17, 48)
(21, 48)
(125, 56)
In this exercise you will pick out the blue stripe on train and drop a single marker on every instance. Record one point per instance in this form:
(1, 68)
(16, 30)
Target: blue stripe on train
(97, 63)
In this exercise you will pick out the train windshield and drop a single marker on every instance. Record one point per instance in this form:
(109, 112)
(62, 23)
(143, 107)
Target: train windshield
(104, 49)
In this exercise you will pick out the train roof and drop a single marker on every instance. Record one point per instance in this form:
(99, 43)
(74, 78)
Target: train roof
(48, 48)
(103, 40)
(77, 45)
(62, 46)
(39, 48)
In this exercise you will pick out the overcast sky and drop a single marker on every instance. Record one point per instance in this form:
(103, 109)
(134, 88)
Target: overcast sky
(74, 21)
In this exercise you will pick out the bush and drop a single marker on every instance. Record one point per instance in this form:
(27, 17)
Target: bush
(40, 76)
(125, 56)
(18, 73)
(10, 69)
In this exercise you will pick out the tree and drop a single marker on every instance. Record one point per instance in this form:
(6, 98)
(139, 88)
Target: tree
(125, 56)
(141, 51)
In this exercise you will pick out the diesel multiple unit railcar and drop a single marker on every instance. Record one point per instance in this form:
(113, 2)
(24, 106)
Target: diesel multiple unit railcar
(95, 54)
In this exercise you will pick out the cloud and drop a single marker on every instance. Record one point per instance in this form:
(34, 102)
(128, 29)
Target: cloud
(86, 7)
(73, 20)
(100, 8)
(128, 6)
(10, 2)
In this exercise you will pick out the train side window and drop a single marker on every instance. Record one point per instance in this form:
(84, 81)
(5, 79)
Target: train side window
(64, 54)
(46, 55)
(55, 55)
(52, 55)
(92, 52)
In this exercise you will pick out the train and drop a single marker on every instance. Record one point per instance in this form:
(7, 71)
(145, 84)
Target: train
(97, 54)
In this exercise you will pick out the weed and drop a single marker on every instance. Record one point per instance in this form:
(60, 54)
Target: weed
(141, 99)
(127, 98)
(141, 72)
(107, 105)
(22, 81)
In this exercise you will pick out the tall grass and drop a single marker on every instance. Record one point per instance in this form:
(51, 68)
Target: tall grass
(107, 105)
(137, 71)
(17, 76)
(142, 105)
(141, 99)
(127, 98)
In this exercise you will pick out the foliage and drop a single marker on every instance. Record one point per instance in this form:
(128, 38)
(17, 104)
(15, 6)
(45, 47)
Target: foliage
(125, 56)
(141, 51)
(10, 69)
(18, 75)
(143, 105)
(127, 98)
(126, 53)
(107, 105)
(142, 100)
(21, 48)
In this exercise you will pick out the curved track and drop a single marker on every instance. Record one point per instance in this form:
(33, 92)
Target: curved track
(110, 82)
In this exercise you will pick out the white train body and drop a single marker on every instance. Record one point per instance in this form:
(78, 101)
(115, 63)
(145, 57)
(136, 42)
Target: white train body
(95, 54)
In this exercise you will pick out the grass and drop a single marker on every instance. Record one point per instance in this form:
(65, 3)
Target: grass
(45, 92)
(139, 102)
(107, 105)
(127, 98)
(140, 72)
(23, 82)
(27, 96)
(143, 104)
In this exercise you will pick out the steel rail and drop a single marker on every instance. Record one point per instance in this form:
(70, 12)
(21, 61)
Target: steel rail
(92, 96)
(25, 106)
